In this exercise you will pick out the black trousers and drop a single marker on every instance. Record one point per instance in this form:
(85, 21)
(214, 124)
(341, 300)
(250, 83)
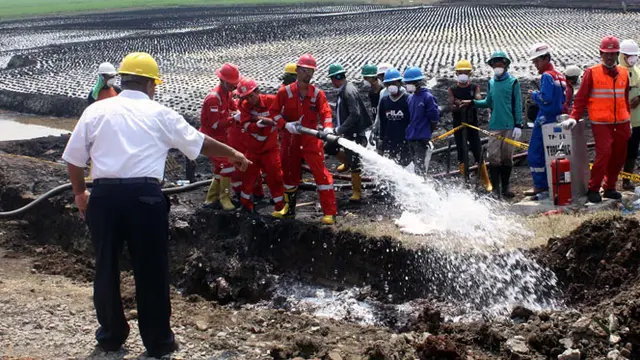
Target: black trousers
(473, 139)
(634, 142)
(353, 159)
(419, 151)
(135, 214)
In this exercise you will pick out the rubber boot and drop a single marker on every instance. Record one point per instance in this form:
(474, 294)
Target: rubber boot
(461, 167)
(505, 176)
(213, 195)
(356, 184)
(342, 157)
(629, 166)
(225, 194)
(328, 220)
(289, 209)
(484, 176)
(494, 172)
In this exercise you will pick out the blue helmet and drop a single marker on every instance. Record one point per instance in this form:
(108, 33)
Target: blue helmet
(392, 75)
(413, 73)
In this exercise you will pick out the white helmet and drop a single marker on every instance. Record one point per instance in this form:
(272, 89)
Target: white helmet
(383, 67)
(107, 69)
(629, 47)
(538, 50)
(572, 71)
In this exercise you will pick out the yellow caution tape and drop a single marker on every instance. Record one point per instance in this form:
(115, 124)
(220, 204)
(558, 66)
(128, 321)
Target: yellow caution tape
(447, 134)
(32, 158)
(624, 175)
(515, 143)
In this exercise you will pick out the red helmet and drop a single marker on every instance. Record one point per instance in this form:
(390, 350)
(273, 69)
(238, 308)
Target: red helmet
(246, 87)
(229, 73)
(610, 44)
(307, 61)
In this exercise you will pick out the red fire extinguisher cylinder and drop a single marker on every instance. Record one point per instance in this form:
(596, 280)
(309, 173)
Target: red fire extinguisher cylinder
(561, 175)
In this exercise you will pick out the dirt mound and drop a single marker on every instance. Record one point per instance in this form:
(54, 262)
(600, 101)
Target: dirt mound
(597, 260)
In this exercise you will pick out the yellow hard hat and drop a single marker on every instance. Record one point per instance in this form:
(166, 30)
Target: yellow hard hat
(140, 64)
(463, 65)
(290, 68)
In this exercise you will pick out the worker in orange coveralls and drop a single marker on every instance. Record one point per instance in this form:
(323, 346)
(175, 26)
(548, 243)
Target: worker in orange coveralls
(261, 145)
(215, 118)
(302, 104)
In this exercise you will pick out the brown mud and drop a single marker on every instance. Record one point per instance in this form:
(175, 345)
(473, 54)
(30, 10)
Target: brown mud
(233, 260)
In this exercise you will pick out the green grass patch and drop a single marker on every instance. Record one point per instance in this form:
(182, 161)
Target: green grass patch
(24, 8)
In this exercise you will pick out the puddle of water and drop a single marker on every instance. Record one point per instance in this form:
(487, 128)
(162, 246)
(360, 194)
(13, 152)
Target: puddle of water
(17, 126)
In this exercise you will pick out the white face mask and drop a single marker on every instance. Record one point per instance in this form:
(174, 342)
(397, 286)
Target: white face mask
(498, 71)
(463, 78)
(393, 89)
(111, 82)
(411, 88)
(632, 60)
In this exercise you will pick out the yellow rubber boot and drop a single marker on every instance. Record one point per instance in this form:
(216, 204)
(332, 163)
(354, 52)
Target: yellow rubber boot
(225, 194)
(461, 167)
(342, 157)
(289, 209)
(328, 220)
(484, 176)
(213, 194)
(356, 184)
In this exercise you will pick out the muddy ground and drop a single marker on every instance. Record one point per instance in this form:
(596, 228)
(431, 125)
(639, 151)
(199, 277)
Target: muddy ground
(223, 264)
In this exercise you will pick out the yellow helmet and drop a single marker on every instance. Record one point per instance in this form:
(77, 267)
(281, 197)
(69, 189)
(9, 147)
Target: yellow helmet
(463, 65)
(140, 64)
(290, 68)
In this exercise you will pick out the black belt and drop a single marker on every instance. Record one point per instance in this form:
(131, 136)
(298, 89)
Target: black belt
(125, 181)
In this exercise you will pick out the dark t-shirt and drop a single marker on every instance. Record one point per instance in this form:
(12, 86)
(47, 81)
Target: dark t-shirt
(465, 93)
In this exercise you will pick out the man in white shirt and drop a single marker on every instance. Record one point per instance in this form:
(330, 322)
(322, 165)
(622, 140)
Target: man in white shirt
(127, 138)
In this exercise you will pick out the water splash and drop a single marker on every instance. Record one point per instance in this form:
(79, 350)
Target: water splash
(472, 259)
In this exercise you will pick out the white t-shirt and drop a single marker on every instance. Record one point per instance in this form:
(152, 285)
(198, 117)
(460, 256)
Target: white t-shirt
(129, 136)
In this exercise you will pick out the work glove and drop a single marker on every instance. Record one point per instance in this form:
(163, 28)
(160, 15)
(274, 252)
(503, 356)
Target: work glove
(568, 124)
(329, 130)
(292, 127)
(236, 116)
(372, 139)
(517, 133)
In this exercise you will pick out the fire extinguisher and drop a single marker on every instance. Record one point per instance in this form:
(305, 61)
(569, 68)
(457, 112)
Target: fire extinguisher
(561, 175)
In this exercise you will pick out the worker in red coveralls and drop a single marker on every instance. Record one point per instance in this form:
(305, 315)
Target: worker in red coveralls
(605, 94)
(261, 145)
(302, 104)
(215, 119)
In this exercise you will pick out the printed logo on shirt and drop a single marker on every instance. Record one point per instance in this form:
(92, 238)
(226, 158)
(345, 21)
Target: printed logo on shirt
(214, 109)
(394, 115)
(421, 104)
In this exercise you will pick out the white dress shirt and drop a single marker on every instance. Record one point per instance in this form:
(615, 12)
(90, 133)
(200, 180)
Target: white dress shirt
(129, 136)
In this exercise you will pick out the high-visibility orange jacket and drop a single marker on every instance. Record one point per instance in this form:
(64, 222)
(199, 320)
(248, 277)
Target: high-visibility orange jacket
(314, 107)
(605, 94)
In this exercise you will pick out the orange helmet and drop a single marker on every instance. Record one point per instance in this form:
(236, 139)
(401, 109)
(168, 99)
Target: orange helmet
(610, 44)
(307, 61)
(229, 73)
(246, 87)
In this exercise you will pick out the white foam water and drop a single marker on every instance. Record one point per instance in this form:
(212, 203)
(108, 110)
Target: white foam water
(475, 263)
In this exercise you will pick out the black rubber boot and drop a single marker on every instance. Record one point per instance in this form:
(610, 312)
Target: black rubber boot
(505, 176)
(494, 174)
(292, 199)
(612, 194)
(594, 197)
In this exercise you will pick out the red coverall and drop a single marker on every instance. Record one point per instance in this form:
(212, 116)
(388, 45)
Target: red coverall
(314, 109)
(611, 139)
(262, 149)
(237, 138)
(215, 119)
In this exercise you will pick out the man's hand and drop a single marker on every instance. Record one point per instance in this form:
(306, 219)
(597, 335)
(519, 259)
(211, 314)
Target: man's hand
(239, 161)
(329, 130)
(465, 103)
(265, 121)
(531, 92)
(82, 202)
(292, 127)
(635, 102)
(517, 133)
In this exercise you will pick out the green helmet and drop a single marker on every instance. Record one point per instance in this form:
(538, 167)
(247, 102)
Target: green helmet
(369, 70)
(500, 54)
(336, 69)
